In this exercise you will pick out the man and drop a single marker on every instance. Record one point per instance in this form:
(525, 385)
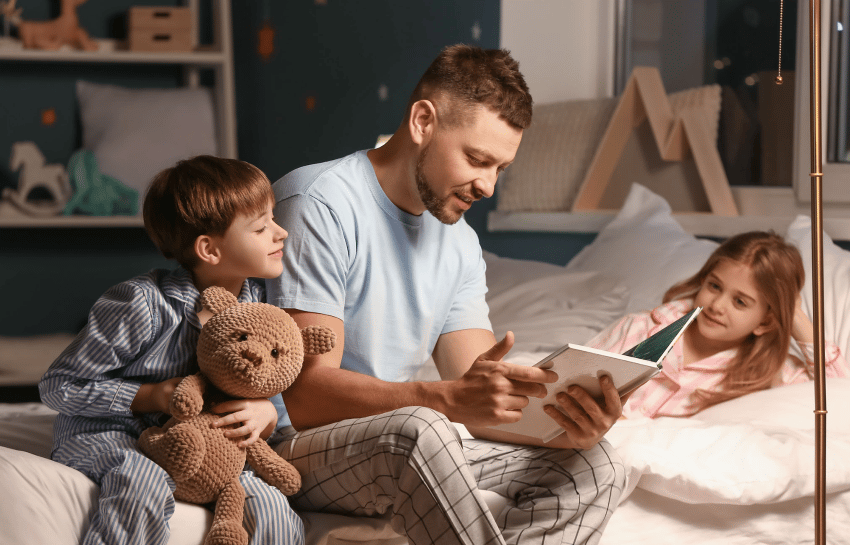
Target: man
(398, 285)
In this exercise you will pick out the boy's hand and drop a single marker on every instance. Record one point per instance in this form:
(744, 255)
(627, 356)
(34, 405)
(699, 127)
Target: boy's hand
(257, 416)
(155, 396)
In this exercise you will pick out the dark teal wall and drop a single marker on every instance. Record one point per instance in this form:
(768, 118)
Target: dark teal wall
(340, 54)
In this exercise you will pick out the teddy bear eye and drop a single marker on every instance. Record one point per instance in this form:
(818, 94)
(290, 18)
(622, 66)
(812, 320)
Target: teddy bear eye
(243, 337)
(274, 352)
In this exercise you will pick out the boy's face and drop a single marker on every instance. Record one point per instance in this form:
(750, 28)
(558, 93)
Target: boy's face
(252, 247)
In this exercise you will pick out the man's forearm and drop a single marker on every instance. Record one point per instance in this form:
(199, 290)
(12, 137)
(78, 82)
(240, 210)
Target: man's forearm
(324, 395)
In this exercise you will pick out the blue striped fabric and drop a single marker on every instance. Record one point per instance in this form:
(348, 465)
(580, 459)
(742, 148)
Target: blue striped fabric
(140, 331)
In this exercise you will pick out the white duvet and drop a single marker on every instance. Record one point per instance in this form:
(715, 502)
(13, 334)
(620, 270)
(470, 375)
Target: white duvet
(740, 472)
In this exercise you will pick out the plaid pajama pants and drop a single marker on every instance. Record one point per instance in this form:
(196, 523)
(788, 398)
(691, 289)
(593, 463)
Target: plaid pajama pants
(412, 464)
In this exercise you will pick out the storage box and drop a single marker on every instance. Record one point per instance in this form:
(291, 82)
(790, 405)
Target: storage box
(164, 28)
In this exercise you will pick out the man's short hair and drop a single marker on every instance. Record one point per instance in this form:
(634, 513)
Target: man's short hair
(201, 196)
(468, 76)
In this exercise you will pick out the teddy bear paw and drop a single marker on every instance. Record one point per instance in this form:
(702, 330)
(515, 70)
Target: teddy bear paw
(228, 532)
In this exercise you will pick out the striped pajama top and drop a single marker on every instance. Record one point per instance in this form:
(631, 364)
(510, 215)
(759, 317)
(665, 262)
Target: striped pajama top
(140, 331)
(672, 392)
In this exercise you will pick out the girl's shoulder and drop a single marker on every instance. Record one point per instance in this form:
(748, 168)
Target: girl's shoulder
(671, 311)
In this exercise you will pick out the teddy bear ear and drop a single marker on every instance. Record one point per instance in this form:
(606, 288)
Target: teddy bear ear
(318, 339)
(217, 299)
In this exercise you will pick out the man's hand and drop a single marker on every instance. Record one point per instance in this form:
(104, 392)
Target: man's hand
(586, 422)
(493, 391)
(257, 416)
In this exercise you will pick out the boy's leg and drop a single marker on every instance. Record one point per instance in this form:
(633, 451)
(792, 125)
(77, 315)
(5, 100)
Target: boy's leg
(409, 462)
(136, 495)
(554, 496)
(268, 516)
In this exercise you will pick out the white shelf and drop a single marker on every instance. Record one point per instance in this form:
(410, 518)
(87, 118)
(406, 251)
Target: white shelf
(10, 216)
(218, 57)
(201, 57)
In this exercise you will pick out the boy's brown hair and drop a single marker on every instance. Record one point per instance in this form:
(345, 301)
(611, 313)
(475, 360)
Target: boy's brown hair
(468, 76)
(201, 196)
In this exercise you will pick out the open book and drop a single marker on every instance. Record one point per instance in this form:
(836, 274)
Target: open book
(582, 365)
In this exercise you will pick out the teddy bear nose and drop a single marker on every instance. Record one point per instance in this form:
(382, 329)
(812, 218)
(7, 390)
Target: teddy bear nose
(252, 355)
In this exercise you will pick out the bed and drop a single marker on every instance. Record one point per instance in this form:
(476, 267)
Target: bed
(740, 472)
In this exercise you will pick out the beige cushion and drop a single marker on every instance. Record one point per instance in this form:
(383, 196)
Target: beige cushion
(557, 148)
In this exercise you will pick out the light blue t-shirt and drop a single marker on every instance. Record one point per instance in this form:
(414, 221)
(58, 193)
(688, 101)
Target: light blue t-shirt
(397, 281)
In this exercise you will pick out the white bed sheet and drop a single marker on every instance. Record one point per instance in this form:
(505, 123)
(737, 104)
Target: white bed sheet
(673, 495)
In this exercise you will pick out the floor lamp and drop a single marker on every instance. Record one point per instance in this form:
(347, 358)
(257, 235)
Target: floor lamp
(816, 175)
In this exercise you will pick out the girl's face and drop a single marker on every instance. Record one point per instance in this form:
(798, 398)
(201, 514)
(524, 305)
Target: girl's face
(733, 306)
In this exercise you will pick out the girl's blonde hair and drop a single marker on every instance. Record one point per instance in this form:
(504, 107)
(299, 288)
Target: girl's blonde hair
(779, 275)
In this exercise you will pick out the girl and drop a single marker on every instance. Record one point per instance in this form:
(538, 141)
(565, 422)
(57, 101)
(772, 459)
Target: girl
(750, 293)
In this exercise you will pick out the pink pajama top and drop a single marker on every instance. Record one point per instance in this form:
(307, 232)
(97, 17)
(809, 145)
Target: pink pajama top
(671, 392)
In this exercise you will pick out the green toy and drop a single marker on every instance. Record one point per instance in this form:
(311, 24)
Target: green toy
(95, 193)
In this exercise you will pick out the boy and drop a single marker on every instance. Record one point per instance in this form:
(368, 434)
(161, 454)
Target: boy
(214, 217)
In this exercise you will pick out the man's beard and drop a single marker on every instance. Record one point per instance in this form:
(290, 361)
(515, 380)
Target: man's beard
(435, 205)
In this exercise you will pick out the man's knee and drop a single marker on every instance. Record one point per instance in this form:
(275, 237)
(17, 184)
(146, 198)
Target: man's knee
(424, 423)
(607, 466)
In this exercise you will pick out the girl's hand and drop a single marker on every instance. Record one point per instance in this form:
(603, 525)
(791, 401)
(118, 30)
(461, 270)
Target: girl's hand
(257, 416)
(801, 329)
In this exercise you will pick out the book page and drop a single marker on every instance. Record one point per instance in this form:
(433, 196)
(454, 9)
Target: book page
(582, 366)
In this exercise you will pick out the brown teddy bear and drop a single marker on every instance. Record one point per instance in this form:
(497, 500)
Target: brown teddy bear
(245, 350)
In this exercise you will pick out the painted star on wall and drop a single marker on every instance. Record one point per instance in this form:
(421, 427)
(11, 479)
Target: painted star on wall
(476, 31)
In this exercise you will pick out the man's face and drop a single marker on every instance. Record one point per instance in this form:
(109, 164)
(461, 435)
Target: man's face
(461, 164)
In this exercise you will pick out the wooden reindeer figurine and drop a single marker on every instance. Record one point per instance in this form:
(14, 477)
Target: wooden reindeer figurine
(64, 30)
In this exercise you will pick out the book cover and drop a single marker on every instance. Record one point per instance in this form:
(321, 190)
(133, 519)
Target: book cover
(582, 365)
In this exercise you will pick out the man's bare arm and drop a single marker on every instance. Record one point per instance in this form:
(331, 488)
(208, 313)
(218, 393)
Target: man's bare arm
(324, 393)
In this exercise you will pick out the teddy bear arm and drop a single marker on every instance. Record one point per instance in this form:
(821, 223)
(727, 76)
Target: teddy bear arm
(318, 339)
(273, 469)
(188, 398)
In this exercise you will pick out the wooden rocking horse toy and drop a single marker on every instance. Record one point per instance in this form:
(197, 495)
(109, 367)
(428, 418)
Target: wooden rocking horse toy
(34, 173)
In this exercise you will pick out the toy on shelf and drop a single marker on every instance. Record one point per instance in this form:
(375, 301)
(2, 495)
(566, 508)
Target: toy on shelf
(11, 16)
(53, 34)
(95, 193)
(160, 28)
(35, 173)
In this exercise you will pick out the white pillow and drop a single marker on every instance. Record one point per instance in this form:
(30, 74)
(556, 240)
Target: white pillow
(47, 502)
(553, 156)
(754, 449)
(836, 282)
(135, 133)
(789, 406)
(646, 248)
(558, 147)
